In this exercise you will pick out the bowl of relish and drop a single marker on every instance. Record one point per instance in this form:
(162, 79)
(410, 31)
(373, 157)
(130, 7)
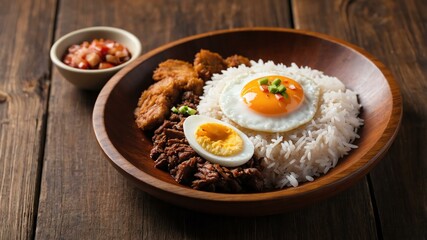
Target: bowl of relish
(89, 57)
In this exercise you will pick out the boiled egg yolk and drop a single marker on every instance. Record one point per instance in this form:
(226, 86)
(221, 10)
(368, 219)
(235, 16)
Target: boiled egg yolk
(259, 98)
(218, 139)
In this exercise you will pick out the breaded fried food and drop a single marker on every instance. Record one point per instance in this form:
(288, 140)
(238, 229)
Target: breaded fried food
(236, 60)
(182, 73)
(175, 69)
(206, 63)
(155, 103)
(172, 78)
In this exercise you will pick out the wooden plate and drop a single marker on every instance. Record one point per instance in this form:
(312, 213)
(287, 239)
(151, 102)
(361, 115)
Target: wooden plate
(128, 149)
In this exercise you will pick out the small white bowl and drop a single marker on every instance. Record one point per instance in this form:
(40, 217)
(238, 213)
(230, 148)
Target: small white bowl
(92, 79)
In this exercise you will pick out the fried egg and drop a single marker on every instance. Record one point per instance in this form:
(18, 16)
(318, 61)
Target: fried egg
(217, 141)
(262, 107)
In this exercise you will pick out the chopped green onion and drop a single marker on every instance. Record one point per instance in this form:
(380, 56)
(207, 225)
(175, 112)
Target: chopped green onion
(281, 88)
(276, 82)
(285, 94)
(183, 109)
(263, 81)
(272, 88)
(191, 111)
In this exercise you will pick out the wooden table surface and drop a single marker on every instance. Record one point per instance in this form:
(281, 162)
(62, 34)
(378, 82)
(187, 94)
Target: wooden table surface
(55, 182)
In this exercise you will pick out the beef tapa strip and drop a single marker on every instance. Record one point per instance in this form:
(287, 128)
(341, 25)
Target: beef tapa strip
(171, 152)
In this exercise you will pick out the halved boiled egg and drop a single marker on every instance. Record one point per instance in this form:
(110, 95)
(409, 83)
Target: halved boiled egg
(270, 102)
(217, 141)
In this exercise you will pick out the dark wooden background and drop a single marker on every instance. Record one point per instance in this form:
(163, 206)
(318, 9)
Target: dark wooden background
(55, 183)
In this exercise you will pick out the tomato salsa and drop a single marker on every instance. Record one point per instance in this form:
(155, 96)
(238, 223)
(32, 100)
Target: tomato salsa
(98, 54)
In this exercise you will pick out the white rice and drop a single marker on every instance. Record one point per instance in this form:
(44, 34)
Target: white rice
(304, 153)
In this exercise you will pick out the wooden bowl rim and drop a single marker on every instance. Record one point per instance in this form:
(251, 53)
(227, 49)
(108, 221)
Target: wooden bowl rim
(152, 184)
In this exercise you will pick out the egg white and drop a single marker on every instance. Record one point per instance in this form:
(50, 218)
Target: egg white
(234, 108)
(191, 124)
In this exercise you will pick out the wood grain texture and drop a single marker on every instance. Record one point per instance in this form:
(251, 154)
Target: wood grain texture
(26, 30)
(82, 196)
(395, 32)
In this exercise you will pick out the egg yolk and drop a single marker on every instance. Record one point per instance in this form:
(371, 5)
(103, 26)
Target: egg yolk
(258, 97)
(218, 139)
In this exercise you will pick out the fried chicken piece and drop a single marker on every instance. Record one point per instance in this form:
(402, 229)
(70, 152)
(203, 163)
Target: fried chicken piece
(206, 63)
(236, 60)
(172, 78)
(155, 104)
(182, 73)
(175, 69)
